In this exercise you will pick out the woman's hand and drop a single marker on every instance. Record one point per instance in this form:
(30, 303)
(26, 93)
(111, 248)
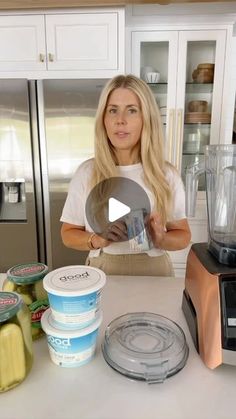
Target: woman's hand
(116, 232)
(76, 237)
(99, 242)
(175, 235)
(156, 229)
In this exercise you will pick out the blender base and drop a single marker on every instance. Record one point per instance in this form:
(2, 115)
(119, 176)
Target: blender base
(209, 306)
(225, 255)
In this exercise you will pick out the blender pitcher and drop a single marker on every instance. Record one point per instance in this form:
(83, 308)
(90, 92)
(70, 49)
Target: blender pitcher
(219, 167)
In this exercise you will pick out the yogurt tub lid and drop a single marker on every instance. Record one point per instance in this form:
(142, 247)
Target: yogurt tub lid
(74, 280)
(10, 304)
(27, 273)
(51, 328)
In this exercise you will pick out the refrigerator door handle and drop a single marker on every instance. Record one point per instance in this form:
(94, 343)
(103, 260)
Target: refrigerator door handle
(37, 171)
(44, 172)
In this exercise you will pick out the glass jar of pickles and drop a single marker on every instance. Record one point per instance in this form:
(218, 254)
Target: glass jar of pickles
(16, 356)
(27, 280)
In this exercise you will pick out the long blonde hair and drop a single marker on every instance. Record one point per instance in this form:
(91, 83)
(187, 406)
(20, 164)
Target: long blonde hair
(152, 143)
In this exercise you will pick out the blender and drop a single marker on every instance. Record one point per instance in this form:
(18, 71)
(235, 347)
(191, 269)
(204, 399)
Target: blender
(209, 297)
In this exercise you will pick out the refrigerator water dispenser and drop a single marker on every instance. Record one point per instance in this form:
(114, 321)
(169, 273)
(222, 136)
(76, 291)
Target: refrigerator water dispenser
(12, 201)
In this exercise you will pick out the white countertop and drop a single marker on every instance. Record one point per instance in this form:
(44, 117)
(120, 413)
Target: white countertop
(96, 391)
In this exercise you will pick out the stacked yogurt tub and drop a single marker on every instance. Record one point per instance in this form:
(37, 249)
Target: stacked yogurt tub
(73, 319)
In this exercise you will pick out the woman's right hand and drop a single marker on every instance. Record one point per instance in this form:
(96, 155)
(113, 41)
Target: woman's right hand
(75, 237)
(115, 232)
(99, 242)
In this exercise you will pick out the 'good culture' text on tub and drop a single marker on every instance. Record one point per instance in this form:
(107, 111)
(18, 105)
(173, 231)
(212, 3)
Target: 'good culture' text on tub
(84, 276)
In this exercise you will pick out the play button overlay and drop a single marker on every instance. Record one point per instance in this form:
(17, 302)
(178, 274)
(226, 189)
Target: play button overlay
(116, 200)
(116, 209)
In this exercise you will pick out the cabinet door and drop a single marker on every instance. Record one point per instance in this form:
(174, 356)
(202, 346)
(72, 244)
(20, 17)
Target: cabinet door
(199, 95)
(84, 41)
(22, 43)
(157, 51)
(176, 54)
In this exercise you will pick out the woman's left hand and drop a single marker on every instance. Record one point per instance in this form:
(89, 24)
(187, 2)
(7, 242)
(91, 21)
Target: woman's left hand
(156, 229)
(175, 235)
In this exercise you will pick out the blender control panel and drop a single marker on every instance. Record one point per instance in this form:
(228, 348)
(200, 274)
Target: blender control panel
(228, 312)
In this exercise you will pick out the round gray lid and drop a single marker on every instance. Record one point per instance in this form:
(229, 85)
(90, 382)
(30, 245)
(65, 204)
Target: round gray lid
(145, 346)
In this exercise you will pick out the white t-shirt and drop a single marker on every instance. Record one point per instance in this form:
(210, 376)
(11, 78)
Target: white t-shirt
(74, 208)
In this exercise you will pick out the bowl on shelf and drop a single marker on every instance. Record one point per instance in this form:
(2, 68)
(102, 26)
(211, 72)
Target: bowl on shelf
(204, 73)
(198, 117)
(205, 76)
(146, 69)
(152, 77)
(209, 66)
(194, 74)
(198, 106)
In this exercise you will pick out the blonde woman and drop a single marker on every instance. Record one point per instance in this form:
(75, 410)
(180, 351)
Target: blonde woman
(128, 143)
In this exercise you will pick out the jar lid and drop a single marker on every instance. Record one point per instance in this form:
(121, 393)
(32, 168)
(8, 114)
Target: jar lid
(74, 280)
(10, 304)
(52, 328)
(27, 273)
(145, 346)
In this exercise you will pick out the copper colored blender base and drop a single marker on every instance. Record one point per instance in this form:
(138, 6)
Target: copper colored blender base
(201, 305)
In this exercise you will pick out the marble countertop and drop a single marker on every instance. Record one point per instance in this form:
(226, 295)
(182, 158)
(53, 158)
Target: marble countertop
(96, 391)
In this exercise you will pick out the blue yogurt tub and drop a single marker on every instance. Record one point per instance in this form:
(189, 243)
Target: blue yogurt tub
(74, 295)
(70, 348)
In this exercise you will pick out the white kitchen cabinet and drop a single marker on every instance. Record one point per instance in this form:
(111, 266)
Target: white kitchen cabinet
(86, 43)
(22, 43)
(175, 54)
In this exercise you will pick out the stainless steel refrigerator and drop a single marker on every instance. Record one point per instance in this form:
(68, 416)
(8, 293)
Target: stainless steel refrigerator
(46, 131)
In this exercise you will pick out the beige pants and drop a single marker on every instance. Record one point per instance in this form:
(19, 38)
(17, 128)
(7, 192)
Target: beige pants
(136, 264)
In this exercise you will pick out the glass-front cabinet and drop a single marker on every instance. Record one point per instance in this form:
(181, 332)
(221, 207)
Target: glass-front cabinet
(185, 70)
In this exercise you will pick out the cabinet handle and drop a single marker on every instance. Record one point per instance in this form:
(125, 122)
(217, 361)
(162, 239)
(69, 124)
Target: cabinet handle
(51, 57)
(170, 135)
(42, 58)
(179, 137)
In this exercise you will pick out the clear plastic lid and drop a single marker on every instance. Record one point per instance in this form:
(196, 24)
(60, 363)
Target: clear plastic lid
(145, 346)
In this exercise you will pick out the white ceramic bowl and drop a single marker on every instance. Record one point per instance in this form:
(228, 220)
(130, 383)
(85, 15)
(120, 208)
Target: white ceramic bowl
(152, 77)
(146, 69)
